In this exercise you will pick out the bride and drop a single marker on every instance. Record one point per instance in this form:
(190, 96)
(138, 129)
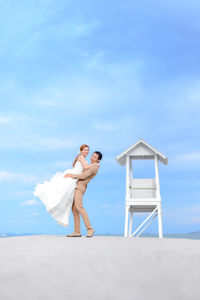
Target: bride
(58, 193)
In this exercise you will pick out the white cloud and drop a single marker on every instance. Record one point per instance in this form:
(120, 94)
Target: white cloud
(95, 60)
(83, 29)
(105, 126)
(39, 143)
(22, 193)
(23, 221)
(78, 94)
(116, 208)
(11, 176)
(105, 205)
(14, 118)
(189, 160)
(189, 215)
(192, 210)
(48, 103)
(188, 97)
(73, 29)
(190, 157)
(63, 164)
(31, 202)
(56, 143)
(7, 176)
(4, 120)
(34, 214)
(114, 125)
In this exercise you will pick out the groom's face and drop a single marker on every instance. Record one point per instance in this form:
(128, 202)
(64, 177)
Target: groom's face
(94, 158)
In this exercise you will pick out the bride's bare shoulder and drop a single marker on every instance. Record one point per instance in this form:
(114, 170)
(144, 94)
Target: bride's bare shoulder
(81, 157)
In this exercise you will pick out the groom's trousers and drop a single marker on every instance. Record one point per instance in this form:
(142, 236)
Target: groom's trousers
(77, 209)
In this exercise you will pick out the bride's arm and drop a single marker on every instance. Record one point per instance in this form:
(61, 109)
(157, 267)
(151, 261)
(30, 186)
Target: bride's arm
(83, 162)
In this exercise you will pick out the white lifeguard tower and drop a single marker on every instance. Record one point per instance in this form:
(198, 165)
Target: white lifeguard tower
(142, 195)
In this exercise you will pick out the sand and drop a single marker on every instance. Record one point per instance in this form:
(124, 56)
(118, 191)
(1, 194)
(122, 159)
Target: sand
(57, 267)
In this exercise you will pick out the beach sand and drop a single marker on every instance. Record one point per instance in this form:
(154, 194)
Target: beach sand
(103, 267)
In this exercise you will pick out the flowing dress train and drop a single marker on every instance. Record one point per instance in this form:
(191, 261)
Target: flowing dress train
(58, 193)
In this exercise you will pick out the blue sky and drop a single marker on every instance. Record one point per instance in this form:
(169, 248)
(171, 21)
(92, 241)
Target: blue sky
(105, 73)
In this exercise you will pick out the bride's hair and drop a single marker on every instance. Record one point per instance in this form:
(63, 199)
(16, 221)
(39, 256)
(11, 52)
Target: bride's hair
(81, 149)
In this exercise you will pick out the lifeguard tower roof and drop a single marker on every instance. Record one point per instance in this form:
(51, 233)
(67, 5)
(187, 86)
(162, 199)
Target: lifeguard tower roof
(141, 150)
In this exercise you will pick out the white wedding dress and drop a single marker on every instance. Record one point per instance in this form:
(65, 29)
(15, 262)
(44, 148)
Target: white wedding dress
(58, 193)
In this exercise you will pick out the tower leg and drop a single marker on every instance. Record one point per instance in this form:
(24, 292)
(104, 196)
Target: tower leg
(126, 222)
(130, 224)
(160, 229)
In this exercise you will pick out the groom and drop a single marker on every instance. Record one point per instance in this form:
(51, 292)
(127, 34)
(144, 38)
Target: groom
(77, 207)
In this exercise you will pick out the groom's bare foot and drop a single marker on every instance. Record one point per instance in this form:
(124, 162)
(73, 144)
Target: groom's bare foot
(74, 234)
(90, 233)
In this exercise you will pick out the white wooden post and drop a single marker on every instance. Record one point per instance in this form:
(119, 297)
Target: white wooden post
(131, 168)
(127, 178)
(126, 222)
(130, 223)
(157, 178)
(127, 195)
(158, 197)
(160, 229)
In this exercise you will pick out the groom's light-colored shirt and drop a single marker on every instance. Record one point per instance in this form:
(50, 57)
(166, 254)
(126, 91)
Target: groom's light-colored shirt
(85, 177)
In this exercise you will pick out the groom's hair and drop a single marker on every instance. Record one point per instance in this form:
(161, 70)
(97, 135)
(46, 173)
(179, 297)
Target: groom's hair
(99, 154)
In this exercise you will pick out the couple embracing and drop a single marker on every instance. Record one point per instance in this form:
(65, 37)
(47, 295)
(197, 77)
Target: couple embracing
(65, 191)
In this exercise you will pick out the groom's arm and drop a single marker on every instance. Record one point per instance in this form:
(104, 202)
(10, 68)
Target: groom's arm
(83, 175)
(92, 170)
